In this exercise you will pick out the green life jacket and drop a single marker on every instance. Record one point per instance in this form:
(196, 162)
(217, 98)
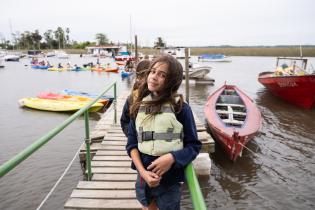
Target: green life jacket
(160, 133)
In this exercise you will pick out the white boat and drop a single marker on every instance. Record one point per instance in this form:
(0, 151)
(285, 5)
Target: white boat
(177, 52)
(198, 72)
(11, 58)
(50, 54)
(61, 54)
(214, 58)
(1, 62)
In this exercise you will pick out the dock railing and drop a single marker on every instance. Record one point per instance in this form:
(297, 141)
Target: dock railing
(17, 159)
(192, 181)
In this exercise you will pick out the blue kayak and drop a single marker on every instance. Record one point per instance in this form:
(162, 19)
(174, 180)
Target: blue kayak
(89, 95)
(126, 74)
(39, 67)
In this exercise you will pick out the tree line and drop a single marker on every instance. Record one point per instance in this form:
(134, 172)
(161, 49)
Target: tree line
(56, 39)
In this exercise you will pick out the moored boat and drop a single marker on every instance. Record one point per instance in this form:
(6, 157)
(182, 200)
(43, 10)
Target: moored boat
(126, 73)
(2, 62)
(214, 58)
(80, 93)
(56, 106)
(198, 72)
(291, 83)
(63, 97)
(233, 119)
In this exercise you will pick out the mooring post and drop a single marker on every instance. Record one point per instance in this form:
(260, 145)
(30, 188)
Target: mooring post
(187, 74)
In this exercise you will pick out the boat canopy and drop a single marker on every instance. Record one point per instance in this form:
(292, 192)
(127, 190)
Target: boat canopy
(212, 56)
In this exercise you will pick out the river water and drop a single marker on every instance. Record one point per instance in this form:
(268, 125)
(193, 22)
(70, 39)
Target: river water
(278, 172)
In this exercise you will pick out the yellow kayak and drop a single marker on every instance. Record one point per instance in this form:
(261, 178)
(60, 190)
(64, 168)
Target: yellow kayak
(58, 69)
(57, 106)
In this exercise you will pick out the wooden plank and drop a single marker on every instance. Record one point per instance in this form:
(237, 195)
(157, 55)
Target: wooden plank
(111, 163)
(107, 147)
(113, 170)
(106, 185)
(80, 203)
(109, 153)
(117, 158)
(103, 194)
(110, 138)
(114, 177)
(115, 142)
(114, 134)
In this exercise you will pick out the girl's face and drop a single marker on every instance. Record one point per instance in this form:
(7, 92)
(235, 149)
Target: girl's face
(156, 77)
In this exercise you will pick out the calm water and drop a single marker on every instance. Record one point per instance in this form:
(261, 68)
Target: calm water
(278, 175)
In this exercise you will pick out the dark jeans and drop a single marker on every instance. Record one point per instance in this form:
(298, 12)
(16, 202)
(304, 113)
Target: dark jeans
(166, 198)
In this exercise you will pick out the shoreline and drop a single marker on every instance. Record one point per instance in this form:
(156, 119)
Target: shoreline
(229, 51)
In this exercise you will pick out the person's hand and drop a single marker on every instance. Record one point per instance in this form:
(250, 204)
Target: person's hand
(162, 164)
(151, 178)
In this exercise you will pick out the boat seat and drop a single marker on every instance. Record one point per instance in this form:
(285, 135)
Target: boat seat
(228, 112)
(232, 105)
(235, 122)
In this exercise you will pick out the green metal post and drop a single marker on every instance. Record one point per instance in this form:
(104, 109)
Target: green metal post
(194, 188)
(115, 103)
(87, 144)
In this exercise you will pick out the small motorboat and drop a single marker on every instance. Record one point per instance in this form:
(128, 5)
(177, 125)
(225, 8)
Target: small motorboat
(291, 82)
(2, 62)
(198, 72)
(11, 58)
(233, 119)
(214, 58)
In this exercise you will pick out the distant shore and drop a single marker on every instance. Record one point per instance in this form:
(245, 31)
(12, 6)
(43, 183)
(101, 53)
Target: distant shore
(246, 51)
(230, 51)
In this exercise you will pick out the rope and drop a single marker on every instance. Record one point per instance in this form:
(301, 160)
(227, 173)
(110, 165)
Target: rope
(248, 149)
(59, 180)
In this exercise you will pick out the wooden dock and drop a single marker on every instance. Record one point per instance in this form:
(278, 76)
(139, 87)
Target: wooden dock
(113, 181)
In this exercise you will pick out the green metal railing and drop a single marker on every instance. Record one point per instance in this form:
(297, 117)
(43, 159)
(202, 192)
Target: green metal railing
(10, 164)
(194, 188)
(192, 181)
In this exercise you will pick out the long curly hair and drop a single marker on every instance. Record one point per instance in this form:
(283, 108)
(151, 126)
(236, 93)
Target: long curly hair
(168, 94)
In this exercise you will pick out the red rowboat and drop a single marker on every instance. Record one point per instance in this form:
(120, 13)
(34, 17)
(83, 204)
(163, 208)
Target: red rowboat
(297, 86)
(233, 119)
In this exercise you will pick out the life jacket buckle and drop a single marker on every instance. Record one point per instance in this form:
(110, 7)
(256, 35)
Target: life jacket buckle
(148, 109)
(147, 135)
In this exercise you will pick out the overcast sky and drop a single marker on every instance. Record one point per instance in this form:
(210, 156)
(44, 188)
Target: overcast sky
(179, 23)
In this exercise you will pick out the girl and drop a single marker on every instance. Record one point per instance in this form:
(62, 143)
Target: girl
(162, 136)
(142, 67)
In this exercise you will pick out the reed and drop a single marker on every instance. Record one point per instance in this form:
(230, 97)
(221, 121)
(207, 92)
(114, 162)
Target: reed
(244, 51)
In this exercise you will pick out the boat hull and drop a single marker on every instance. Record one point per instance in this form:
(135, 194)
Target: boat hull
(57, 106)
(232, 139)
(298, 90)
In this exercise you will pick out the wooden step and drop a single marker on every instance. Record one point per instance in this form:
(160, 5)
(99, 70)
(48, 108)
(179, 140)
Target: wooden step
(115, 142)
(83, 203)
(114, 177)
(117, 158)
(110, 153)
(111, 163)
(103, 194)
(94, 185)
(113, 170)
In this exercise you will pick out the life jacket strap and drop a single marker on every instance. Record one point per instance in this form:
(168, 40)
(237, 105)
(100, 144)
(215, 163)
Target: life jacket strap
(149, 109)
(151, 135)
